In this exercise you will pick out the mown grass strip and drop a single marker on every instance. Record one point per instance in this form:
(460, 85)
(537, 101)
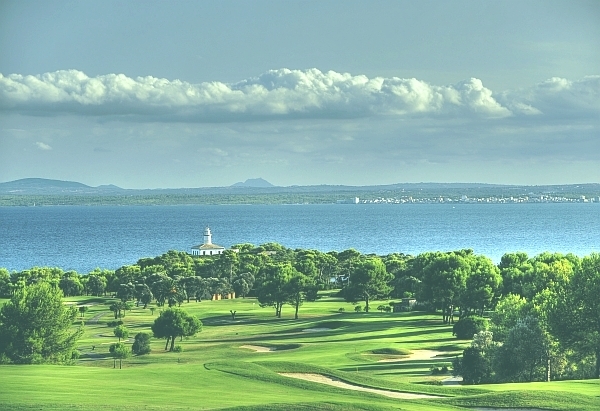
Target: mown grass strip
(310, 406)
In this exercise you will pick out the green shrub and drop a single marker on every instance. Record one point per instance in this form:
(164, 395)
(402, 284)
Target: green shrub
(141, 345)
(341, 309)
(467, 327)
(439, 370)
(178, 348)
(358, 308)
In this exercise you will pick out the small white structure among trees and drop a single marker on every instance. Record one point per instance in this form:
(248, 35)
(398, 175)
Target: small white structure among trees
(208, 248)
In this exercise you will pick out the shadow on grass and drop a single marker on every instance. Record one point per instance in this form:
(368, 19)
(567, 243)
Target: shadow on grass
(352, 330)
(397, 366)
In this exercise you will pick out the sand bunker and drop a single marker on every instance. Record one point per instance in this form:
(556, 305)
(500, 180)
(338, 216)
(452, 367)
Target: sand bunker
(315, 330)
(258, 348)
(334, 382)
(416, 356)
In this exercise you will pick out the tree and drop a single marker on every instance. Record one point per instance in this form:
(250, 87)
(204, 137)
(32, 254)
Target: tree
(121, 331)
(128, 274)
(467, 327)
(168, 290)
(83, 309)
(548, 270)
(119, 308)
(368, 280)
(5, 283)
(96, 283)
(119, 352)
(297, 289)
(143, 294)
(70, 284)
(509, 310)
(243, 283)
(575, 318)
(513, 268)
(141, 344)
(523, 356)
(482, 285)
(146, 298)
(126, 292)
(190, 285)
(444, 280)
(173, 323)
(272, 289)
(227, 264)
(36, 327)
(476, 364)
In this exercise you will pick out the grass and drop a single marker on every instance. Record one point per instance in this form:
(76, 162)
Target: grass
(213, 372)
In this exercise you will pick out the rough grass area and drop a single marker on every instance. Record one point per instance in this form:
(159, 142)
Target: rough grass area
(212, 372)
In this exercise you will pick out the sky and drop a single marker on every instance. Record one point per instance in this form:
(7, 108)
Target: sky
(156, 94)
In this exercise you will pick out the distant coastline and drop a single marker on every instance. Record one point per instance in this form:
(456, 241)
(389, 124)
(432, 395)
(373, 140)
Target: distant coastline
(44, 192)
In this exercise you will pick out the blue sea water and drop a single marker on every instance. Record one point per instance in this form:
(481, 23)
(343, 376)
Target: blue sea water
(82, 238)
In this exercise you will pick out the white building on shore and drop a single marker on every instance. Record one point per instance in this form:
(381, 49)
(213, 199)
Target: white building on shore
(208, 248)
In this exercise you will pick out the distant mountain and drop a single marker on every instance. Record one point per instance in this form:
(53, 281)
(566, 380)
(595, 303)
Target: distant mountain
(254, 182)
(47, 186)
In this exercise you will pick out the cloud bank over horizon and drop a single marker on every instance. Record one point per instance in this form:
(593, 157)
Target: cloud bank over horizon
(289, 94)
(296, 127)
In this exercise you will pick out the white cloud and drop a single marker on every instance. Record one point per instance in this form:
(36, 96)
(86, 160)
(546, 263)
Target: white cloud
(275, 94)
(556, 97)
(42, 146)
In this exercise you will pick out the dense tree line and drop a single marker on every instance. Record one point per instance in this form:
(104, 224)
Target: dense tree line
(545, 326)
(550, 299)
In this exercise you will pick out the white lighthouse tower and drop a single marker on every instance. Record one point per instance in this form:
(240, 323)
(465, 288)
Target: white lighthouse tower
(207, 236)
(208, 248)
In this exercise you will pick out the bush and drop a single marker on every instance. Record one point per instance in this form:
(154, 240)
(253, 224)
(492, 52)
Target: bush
(439, 370)
(341, 309)
(467, 327)
(178, 348)
(358, 308)
(114, 323)
(141, 345)
(475, 367)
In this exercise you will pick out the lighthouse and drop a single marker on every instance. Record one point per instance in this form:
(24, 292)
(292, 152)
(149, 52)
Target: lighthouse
(207, 236)
(207, 248)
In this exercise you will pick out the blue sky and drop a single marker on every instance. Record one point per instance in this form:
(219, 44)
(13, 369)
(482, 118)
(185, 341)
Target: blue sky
(190, 94)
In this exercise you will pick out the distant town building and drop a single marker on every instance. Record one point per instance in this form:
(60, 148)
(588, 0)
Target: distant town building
(354, 200)
(208, 248)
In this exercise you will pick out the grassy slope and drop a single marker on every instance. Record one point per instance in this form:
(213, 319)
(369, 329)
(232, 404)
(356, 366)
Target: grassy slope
(213, 372)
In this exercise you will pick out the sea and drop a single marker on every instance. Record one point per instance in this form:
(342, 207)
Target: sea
(82, 238)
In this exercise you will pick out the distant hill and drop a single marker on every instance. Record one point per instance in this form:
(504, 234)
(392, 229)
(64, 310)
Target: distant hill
(254, 182)
(48, 186)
